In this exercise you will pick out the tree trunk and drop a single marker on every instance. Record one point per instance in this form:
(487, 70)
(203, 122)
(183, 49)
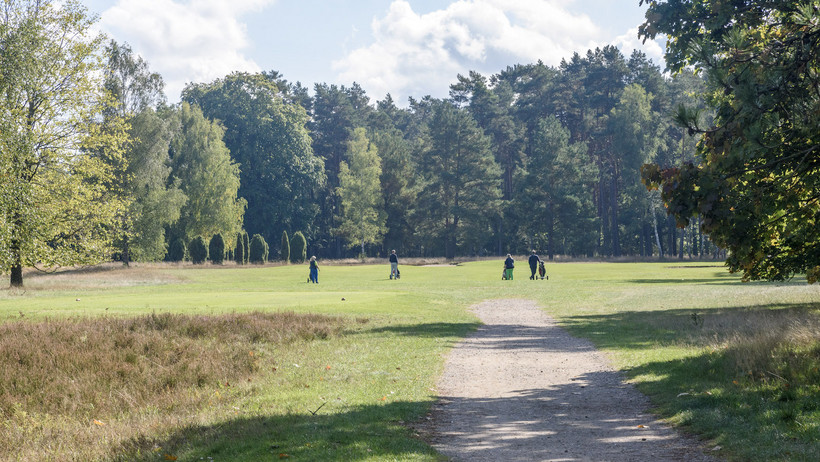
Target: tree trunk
(616, 241)
(680, 249)
(657, 237)
(16, 276)
(550, 231)
(126, 257)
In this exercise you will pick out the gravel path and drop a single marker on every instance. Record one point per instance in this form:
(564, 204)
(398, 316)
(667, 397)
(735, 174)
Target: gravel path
(523, 389)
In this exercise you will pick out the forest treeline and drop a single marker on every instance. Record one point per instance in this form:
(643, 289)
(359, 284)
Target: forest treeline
(96, 164)
(531, 157)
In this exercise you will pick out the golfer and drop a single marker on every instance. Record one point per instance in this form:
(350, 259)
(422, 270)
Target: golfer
(314, 270)
(394, 265)
(509, 264)
(533, 261)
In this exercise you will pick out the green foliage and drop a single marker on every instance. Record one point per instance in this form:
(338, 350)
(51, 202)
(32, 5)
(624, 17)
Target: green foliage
(298, 248)
(265, 131)
(55, 158)
(462, 180)
(398, 185)
(552, 198)
(363, 218)
(177, 251)
(258, 252)
(756, 184)
(198, 250)
(143, 178)
(284, 249)
(246, 247)
(239, 251)
(216, 249)
(208, 177)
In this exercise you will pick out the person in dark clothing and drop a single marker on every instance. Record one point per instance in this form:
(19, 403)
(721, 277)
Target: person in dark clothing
(533, 261)
(509, 264)
(394, 265)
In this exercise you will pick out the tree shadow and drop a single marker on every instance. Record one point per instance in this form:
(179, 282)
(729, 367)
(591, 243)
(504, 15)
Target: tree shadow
(455, 330)
(373, 432)
(723, 278)
(684, 326)
(595, 417)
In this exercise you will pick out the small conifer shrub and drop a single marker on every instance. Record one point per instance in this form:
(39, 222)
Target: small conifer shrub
(259, 250)
(284, 250)
(198, 250)
(239, 251)
(298, 248)
(177, 250)
(216, 249)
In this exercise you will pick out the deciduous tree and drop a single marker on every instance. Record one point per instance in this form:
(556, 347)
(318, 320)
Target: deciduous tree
(54, 206)
(757, 187)
(363, 217)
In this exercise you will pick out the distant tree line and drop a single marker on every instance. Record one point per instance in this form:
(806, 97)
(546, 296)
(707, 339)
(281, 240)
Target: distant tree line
(532, 157)
(97, 165)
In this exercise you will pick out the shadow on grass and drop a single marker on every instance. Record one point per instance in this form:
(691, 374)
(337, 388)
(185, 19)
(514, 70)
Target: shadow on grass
(684, 327)
(573, 421)
(723, 278)
(595, 417)
(769, 415)
(751, 418)
(373, 432)
(441, 330)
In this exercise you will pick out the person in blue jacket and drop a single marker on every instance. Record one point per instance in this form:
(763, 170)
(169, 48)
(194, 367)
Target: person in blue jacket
(314, 270)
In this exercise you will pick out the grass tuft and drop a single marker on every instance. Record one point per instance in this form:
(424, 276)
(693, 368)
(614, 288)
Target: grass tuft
(61, 377)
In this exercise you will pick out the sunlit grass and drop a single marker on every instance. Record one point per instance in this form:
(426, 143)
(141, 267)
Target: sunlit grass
(685, 333)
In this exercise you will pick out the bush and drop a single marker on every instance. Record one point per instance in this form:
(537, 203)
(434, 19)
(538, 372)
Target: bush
(284, 250)
(259, 250)
(239, 251)
(216, 249)
(177, 250)
(246, 244)
(198, 250)
(298, 248)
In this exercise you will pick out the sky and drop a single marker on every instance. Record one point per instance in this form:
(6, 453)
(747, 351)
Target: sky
(408, 48)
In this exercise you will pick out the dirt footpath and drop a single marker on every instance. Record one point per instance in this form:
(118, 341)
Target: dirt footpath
(522, 389)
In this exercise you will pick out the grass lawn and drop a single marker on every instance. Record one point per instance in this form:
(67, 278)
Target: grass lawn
(734, 362)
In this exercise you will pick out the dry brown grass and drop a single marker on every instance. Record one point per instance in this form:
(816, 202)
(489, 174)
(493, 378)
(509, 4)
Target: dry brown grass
(758, 341)
(97, 383)
(102, 276)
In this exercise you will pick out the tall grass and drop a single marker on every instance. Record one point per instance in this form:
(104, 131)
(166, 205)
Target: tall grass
(77, 388)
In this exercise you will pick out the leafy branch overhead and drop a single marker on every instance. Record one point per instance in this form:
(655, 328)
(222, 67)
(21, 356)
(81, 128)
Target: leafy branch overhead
(757, 180)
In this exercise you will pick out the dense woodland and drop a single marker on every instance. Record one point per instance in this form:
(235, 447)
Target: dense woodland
(532, 157)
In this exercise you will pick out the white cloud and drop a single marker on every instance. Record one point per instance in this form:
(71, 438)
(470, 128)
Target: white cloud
(200, 40)
(652, 48)
(417, 54)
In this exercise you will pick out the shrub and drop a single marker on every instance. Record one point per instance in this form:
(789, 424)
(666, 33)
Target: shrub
(198, 250)
(216, 249)
(284, 250)
(177, 250)
(239, 251)
(298, 248)
(246, 243)
(259, 250)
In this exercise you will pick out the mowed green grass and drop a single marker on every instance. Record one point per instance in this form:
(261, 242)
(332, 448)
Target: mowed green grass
(672, 327)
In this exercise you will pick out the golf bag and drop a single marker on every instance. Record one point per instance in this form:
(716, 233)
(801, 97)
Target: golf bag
(542, 272)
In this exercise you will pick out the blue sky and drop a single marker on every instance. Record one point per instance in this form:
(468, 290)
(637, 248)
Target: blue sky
(402, 47)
